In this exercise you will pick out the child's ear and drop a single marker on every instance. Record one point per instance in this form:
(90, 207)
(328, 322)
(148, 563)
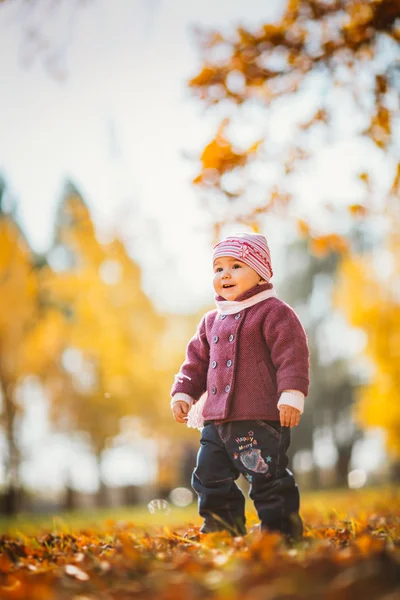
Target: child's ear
(261, 281)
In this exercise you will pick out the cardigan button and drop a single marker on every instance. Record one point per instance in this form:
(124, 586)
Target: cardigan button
(231, 337)
(214, 389)
(216, 338)
(214, 364)
(222, 317)
(227, 388)
(229, 363)
(237, 316)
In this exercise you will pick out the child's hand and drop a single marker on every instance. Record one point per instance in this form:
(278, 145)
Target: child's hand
(289, 415)
(180, 410)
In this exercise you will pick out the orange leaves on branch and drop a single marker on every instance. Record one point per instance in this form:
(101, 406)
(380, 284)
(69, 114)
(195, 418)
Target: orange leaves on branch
(360, 14)
(279, 199)
(220, 157)
(395, 189)
(340, 28)
(295, 155)
(358, 210)
(209, 75)
(323, 245)
(255, 147)
(380, 129)
(381, 85)
(365, 178)
(303, 227)
(277, 60)
(255, 227)
(320, 116)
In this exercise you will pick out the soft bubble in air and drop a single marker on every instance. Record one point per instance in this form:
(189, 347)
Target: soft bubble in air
(158, 505)
(356, 478)
(181, 496)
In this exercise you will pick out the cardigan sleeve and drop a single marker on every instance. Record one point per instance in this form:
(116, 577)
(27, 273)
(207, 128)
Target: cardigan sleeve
(287, 340)
(293, 398)
(192, 377)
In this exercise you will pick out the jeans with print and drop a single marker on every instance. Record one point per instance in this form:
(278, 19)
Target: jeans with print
(257, 449)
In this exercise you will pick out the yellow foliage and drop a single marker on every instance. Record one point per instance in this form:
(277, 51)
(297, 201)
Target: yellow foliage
(87, 330)
(373, 304)
(220, 157)
(18, 299)
(110, 324)
(303, 227)
(323, 245)
(357, 210)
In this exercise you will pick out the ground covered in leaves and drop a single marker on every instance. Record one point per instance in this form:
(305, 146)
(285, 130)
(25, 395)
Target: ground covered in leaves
(351, 552)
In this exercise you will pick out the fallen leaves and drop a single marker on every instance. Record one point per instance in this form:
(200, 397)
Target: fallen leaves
(342, 555)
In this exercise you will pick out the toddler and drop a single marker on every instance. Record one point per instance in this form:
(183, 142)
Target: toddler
(251, 357)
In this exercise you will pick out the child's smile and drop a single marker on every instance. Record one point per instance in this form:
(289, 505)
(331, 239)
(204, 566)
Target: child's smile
(232, 277)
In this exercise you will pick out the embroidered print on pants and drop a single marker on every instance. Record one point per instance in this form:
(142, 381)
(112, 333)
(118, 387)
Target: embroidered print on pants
(253, 461)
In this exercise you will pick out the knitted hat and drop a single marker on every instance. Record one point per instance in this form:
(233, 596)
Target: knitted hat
(250, 248)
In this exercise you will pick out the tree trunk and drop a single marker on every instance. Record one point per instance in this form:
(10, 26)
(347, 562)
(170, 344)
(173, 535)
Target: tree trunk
(342, 465)
(101, 497)
(70, 497)
(12, 493)
(395, 471)
(315, 479)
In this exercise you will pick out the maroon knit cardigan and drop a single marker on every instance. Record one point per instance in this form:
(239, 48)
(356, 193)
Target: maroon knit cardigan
(246, 360)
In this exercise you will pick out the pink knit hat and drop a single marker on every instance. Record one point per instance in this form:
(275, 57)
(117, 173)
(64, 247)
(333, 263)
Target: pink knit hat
(250, 248)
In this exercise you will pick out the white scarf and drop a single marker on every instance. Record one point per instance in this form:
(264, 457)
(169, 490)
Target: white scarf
(230, 307)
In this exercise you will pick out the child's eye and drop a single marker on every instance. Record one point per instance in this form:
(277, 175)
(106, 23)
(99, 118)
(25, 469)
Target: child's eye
(218, 270)
(237, 266)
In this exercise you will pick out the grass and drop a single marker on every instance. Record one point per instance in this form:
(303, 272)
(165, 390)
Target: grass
(327, 504)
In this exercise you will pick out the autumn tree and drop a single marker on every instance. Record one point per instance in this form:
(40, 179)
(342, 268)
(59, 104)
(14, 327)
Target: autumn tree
(328, 70)
(111, 333)
(18, 298)
(325, 67)
(369, 294)
(307, 286)
(22, 315)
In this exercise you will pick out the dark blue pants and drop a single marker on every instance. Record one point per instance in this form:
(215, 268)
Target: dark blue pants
(257, 449)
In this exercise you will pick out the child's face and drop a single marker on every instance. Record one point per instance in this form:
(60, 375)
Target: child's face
(233, 277)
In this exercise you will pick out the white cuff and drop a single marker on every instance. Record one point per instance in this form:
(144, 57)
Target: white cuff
(181, 396)
(293, 398)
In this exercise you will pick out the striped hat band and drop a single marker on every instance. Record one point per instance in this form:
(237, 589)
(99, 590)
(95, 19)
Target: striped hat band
(250, 248)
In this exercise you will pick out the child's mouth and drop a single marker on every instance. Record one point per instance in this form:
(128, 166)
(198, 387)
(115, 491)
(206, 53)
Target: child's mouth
(228, 285)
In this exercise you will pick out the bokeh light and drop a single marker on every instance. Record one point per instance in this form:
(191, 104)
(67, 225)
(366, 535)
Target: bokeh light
(357, 478)
(159, 506)
(181, 496)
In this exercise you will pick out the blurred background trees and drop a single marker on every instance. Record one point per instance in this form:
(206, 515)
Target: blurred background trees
(79, 322)
(327, 73)
(308, 287)
(76, 321)
(111, 329)
(372, 303)
(19, 310)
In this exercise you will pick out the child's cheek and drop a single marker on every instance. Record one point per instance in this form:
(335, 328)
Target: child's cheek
(216, 281)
